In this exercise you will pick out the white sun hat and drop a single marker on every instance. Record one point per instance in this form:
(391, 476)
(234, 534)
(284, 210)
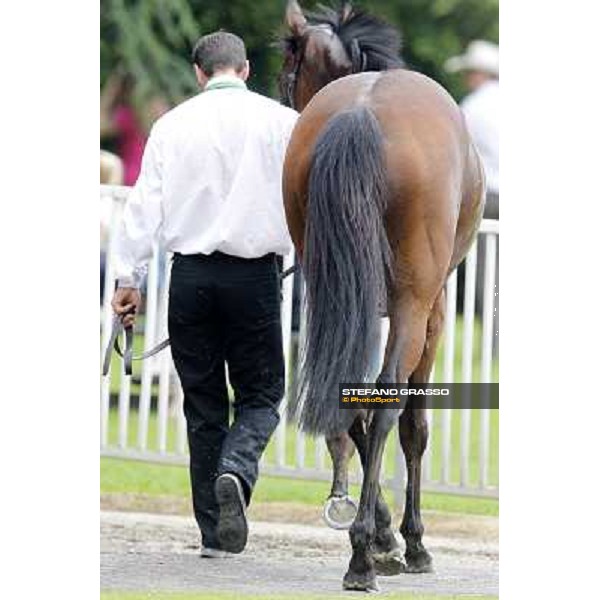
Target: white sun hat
(479, 56)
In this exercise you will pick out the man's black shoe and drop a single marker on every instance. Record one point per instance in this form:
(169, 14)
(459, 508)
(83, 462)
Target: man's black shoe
(232, 529)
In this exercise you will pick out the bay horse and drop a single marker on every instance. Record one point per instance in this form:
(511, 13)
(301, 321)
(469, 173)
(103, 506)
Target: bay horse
(384, 193)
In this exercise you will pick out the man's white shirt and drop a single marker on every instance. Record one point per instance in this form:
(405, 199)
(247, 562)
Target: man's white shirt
(210, 180)
(482, 114)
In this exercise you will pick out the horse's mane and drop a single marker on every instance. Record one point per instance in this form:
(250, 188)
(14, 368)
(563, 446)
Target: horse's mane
(371, 43)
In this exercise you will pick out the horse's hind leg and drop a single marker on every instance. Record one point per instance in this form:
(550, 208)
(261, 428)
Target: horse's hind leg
(404, 347)
(341, 450)
(387, 556)
(413, 438)
(341, 447)
(361, 573)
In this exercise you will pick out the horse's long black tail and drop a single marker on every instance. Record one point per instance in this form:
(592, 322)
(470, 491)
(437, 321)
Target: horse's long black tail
(346, 265)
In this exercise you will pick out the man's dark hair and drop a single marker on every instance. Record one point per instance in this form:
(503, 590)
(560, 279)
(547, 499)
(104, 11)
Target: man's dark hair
(219, 50)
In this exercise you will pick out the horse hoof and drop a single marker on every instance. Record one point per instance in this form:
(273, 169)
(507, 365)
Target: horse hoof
(339, 512)
(360, 582)
(419, 562)
(389, 563)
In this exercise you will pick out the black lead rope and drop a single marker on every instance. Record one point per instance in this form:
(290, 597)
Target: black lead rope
(289, 271)
(127, 355)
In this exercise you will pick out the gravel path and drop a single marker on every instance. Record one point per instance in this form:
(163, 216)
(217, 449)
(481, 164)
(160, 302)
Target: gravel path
(159, 552)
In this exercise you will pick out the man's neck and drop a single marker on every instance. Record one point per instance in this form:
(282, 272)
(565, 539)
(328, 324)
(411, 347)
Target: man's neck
(229, 73)
(225, 79)
(226, 75)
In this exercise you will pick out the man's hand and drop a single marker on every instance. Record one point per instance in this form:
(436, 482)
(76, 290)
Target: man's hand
(124, 300)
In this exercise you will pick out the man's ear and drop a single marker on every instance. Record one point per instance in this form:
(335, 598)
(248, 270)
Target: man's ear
(201, 76)
(245, 72)
(295, 18)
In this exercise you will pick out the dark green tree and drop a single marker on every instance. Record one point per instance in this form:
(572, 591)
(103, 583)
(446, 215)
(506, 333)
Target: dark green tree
(148, 39)
(434, 30)
(152, 39)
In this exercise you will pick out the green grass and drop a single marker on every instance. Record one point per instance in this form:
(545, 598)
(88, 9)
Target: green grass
(124, 476)
(292, 440)
(236, 596)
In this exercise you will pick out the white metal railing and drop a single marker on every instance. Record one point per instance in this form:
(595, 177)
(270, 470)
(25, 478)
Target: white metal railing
(144, 420)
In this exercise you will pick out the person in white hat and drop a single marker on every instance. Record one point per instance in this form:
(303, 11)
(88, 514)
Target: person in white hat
(480, 66)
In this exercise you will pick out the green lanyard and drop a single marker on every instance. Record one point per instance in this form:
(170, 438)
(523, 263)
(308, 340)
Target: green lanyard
(221, 85)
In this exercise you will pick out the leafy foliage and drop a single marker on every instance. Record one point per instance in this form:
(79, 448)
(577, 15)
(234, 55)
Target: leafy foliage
(434, 30)
(152, 39)
(149, 40)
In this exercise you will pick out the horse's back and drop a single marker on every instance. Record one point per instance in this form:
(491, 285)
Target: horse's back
(423, 128)
(409, 98)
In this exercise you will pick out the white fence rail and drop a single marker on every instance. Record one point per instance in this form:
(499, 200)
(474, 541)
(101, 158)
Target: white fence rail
(143, 419)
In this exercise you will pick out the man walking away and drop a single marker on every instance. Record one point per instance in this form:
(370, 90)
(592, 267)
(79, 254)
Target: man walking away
(210, 188)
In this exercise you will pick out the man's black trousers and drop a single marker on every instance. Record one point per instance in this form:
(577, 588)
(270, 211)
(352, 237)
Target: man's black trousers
(226, 310)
